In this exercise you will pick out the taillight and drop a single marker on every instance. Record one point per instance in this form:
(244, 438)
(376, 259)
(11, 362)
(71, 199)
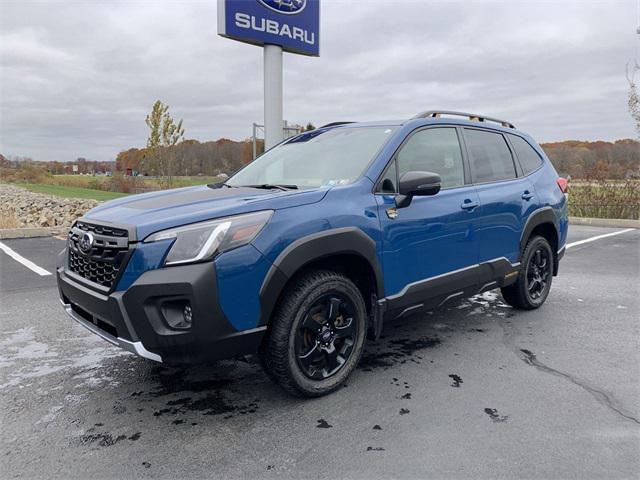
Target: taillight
(563, 183)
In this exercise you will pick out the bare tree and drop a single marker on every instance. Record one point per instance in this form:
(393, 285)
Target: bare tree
(634, 97)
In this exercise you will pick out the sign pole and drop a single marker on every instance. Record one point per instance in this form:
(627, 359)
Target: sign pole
(278, 26)
(273, 117)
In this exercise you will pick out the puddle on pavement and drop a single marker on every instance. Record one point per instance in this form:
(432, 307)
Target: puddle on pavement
(322, 423)
(392, 352)
(104, 439)
(456, 379)
(24, 360)
(495, 416)
(375, 449)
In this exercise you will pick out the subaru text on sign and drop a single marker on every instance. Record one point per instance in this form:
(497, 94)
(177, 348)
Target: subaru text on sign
(292, 24)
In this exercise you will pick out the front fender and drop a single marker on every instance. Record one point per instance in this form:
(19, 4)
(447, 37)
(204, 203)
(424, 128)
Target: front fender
(346, 240)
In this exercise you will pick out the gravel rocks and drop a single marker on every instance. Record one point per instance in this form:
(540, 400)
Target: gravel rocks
(31, 209)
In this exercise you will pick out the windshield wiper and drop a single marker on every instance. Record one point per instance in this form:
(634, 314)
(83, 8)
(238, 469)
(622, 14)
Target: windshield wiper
(271, 186)
(218, 185)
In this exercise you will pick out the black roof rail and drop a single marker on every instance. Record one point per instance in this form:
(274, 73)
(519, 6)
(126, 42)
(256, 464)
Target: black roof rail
(335, 124)
(471, 116)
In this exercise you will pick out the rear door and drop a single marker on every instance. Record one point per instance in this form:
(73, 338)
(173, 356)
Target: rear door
(506, 200)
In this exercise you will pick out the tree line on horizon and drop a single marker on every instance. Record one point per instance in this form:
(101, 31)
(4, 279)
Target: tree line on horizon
(189, 158)
(578, 159)
(583, 159)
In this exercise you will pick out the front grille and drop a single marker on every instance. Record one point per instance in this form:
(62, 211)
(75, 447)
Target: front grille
(101, 265)
(102, 230)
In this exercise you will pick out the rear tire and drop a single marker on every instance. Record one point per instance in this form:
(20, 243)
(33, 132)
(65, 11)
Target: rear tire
(534, 280)
(316, 335)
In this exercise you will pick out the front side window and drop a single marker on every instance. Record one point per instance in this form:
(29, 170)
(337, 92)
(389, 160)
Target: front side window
(314, 159)
(489, 156)
(387, 183)
(434, 150)
(527, 156)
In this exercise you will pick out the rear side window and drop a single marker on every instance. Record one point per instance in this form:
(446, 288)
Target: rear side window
(489, 156)
(434, 150)
(527, 156)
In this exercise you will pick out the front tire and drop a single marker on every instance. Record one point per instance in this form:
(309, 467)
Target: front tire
(534, 280)
(317, 334)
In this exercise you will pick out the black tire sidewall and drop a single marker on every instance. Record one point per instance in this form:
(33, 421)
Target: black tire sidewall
(337, 284)
(532, 246)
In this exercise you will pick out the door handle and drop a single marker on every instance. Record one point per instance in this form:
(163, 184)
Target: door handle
(527, 195)
(468, 204)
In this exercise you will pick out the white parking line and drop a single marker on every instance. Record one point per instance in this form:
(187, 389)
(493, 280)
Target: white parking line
(593, 239)
(27, 263)
(43, 273)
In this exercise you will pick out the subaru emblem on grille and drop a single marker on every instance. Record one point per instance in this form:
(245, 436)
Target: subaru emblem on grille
(85, 243)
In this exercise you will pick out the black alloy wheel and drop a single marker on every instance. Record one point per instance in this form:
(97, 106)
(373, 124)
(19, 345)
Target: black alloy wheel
(316, 334)
(326, 336)
(538, 272)
(533, 284)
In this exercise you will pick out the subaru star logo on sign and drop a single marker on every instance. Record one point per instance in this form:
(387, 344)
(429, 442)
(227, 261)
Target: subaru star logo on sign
(292, 24)
(85, 243)
(288, 7)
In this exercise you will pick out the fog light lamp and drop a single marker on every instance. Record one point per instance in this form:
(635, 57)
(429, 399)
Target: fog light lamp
(187, 314)
(178, 314)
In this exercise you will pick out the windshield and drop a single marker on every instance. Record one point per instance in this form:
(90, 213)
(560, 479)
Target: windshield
(314, 159)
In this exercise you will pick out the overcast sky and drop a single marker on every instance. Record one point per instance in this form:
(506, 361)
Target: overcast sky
(78, 77)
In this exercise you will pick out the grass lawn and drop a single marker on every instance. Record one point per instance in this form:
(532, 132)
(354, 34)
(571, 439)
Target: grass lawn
(88, 181)
(71, 192)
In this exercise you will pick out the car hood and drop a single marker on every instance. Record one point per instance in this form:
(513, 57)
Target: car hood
(151, 212)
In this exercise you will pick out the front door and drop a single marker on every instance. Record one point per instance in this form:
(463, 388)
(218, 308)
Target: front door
(434, 238)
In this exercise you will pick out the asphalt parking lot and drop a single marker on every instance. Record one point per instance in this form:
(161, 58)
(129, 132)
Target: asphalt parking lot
(474, 390)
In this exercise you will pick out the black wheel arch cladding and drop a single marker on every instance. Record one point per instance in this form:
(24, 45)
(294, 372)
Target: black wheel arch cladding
(539, 218)
(311, 248)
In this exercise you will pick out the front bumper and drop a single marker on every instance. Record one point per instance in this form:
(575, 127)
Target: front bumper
(133, 347)
(135, 319)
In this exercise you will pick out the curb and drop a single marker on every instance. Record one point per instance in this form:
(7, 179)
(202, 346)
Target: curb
(605, 222)
(8, 233)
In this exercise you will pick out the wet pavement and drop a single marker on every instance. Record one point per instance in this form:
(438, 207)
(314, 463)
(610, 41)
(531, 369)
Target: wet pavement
(474, 390)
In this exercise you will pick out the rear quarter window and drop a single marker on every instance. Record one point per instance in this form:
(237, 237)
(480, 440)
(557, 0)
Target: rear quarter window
(527, 156)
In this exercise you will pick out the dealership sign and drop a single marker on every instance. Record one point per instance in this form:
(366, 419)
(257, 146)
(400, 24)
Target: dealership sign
(293, 25)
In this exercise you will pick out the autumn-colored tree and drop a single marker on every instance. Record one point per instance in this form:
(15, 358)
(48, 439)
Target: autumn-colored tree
(247, 152)
(601, 169)
(163, 132)
(154, 122)
(5, 162)
(581, 159)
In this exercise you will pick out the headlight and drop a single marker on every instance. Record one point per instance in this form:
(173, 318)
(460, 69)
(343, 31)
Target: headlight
(201, 241)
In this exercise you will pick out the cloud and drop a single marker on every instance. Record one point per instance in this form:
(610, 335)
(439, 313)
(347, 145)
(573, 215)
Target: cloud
(77, 78)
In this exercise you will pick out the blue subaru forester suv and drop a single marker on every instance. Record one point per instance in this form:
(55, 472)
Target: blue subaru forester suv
(308, 250)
